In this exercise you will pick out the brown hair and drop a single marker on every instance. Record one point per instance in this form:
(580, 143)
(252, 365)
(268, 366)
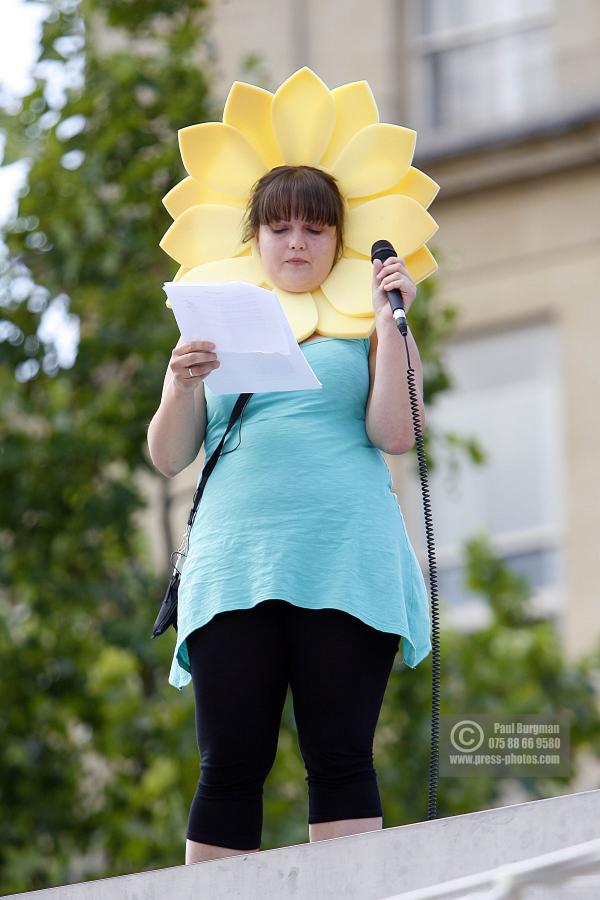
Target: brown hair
(302, 192)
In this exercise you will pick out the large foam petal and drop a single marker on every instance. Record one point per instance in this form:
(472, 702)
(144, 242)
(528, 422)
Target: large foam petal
(421, 264)
(348, 287)
(190, 192)
(334, 324)
(355, 108)
(204, 233)
(400, 220)
(240, 268)
(415, 184)
(419, 186)
(248, 108)
(300, 311)
(180, 273)
(220, 157)
(377, 157)
(350, 253)
(303, 118)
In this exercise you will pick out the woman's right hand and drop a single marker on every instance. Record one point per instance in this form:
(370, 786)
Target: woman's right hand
(197, 356)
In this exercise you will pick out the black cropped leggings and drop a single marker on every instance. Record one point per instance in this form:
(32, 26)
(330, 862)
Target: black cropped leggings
(242, 662)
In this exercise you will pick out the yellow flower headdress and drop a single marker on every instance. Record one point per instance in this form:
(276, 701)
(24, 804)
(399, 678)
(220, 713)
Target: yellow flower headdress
(302, 123)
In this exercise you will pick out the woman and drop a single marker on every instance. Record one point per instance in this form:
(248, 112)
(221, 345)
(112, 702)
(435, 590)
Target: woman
(299, 570)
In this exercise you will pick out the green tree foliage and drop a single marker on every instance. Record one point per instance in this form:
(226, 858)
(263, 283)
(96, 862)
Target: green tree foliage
(98, 759)
(512, 666)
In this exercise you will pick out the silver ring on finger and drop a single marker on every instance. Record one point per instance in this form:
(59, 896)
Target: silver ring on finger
(191, 373)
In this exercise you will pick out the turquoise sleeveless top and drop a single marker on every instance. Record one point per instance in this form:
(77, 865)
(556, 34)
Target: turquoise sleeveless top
(300, 507)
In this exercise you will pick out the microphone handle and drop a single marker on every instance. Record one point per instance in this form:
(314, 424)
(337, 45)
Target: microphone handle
(382, 250)
(397, 305)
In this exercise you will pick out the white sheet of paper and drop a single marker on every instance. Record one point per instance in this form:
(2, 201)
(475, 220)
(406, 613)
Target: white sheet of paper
(253, 340)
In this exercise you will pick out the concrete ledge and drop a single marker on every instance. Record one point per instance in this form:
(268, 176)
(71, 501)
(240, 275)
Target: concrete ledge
(367, 866)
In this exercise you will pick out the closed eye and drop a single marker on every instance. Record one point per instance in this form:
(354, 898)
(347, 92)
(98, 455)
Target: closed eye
(280, 230)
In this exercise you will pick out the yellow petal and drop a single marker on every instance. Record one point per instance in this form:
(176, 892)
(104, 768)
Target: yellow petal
(240, 268)
(348, 287)
(349, 253)
(248, 108)
(303, 118)
(420, 264)
(180, 273)
(415, 184)
(300, 311)
(377, 157)
(190, 192)
(177, 277)
(419, 186)
(334, 324)
(220, 158)
(400, 220)
(204, 233)
(355, 108)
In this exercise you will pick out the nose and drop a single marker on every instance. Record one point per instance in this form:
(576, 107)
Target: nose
(296, 240)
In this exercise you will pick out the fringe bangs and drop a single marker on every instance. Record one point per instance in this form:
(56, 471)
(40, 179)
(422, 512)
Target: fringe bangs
(288, 192)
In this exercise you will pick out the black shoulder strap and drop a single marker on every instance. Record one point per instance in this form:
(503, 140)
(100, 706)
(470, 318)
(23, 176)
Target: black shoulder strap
(236, 412)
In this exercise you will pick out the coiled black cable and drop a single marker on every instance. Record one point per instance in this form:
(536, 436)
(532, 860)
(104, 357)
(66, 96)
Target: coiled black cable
(435, 638)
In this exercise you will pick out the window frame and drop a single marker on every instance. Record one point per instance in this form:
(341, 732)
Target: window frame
(420, 45)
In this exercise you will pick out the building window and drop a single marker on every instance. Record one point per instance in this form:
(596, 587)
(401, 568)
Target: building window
(479, 63)
(505, 395)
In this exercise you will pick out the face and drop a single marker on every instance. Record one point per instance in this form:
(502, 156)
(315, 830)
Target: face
(281, 242)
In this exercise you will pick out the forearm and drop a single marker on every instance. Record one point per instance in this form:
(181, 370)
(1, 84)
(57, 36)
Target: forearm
(177, 429)
(389, 422)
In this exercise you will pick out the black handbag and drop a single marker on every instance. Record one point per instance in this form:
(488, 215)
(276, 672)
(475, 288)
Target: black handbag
(167, 614)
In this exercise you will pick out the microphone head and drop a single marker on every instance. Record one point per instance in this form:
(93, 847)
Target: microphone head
(382, 250)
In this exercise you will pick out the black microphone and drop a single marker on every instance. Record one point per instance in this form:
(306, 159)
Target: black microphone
(383, 250)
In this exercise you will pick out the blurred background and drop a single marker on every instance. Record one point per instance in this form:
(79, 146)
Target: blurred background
(98, 756)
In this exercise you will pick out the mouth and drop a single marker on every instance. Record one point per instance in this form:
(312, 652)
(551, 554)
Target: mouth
(297, 262)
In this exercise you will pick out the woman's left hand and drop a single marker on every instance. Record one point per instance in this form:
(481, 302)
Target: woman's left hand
(391, 274)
